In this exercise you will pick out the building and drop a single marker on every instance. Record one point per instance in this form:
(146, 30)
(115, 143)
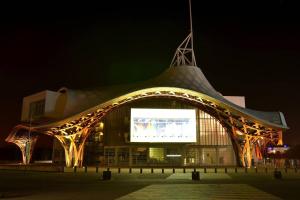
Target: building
(96, 126)
(99, 122)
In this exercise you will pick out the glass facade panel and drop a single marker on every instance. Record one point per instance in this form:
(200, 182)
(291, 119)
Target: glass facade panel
(123, 156)
(211, 131)
(209, 156)
(192, 157)
(139, 156)
(156, 154)
(110, 144)
(110, 158)
(226, 156)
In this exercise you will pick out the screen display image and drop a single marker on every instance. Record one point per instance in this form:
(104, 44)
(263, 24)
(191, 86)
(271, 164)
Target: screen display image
(162, 125)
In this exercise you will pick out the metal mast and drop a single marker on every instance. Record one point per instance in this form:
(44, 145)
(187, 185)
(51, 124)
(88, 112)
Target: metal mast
(184, 54)
(191, 24)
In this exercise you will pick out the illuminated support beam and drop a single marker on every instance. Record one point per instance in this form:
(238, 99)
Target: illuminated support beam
(258, 151)
(240, 150)
(26, 146)
(247, 152)
(250, 147)
(280, 141)
(247, 146)
(73, 146)
(253, 143)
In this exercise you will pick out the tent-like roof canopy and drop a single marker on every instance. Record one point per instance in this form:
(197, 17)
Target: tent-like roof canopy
(185, 77)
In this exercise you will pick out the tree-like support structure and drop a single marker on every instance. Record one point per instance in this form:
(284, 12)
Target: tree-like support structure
(74, 147)
(26, 145)
(251, 139)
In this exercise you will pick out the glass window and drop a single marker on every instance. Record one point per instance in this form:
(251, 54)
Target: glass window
(226, 156)
(209, 156)
(36, 109)
(156, 154)
(211, 131)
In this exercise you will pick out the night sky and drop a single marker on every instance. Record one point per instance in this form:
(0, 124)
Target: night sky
(251, 48)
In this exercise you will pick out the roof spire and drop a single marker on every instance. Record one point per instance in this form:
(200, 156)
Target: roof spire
(184, 54)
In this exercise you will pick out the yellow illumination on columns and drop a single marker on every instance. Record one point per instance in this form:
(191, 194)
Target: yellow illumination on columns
(280, 142)
(74, 146)
(258, 152)
(247, 151)
(22, 144)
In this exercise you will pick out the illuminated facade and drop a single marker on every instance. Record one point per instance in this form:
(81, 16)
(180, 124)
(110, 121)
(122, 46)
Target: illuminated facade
(92, 126)
(227, 134)
(110, 145)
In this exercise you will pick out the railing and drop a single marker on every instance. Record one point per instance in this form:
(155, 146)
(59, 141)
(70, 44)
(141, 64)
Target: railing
(32, 167)
(152, 170)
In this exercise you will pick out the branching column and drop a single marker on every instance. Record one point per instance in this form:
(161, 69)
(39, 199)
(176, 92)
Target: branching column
(238, 145)
(247, 152)
(74, 145)
(240, 149)
(280, 141)
(26, 146)
(258, 153)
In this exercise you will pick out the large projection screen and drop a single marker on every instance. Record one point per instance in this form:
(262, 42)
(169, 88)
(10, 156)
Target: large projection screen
(162, 125)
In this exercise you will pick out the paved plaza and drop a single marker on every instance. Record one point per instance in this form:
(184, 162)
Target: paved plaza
(199, 191)
(125, 186)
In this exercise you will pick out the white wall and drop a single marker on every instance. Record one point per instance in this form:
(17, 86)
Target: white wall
(26, 104)
(54, 104)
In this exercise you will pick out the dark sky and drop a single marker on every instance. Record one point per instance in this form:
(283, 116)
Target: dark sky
(251, 48)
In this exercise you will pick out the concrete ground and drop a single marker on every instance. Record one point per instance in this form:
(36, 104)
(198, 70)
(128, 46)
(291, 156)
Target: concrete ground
(125, 186)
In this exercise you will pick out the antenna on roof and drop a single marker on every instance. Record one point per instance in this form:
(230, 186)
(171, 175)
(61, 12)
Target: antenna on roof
(184, 54)
(191, 24)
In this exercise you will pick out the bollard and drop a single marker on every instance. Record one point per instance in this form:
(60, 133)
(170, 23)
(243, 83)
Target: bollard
(204, 169)
(277, 174)
(184, 170)
(130, 170)
(266, 170)
(225, 169)
(173, 170)
(85, 169)
(162, 170)
(216, 170)
(256, 170)
(141, 170)
(235, 170)
(97, 169)
(106, 175)
(246, 170)
(75, 169)
(151, 170)
(119, 170)
(195, 176)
